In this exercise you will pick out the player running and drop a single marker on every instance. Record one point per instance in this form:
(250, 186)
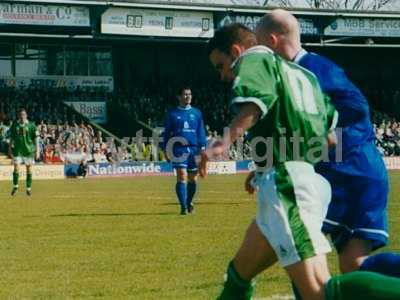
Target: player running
(184, 138)
(279, 101)
(357, 215)
(24, 149)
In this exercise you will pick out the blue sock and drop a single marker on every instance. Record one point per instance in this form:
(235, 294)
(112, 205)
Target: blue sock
(181, 192)
(191, 190)
(384, 263)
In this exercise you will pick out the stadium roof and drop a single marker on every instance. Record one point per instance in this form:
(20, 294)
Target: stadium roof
(197, 5)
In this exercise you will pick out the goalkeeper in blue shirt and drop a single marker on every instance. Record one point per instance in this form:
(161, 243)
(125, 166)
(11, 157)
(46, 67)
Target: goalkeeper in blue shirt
(184, 138)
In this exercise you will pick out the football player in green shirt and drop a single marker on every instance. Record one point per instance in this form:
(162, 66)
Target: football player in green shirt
(291, 124)
(24, 149)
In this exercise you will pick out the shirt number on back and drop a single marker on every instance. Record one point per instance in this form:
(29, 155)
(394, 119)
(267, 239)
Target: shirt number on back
(302, 90)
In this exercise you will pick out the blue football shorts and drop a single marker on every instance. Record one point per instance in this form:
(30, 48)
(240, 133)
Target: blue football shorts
(360, 189)
(185, 158)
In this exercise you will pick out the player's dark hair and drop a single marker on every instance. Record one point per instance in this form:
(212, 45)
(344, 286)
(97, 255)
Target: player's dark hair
(21, 110)
(228, 35)
(184, 88)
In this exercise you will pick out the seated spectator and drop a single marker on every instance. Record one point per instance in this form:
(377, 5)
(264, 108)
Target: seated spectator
(98, 156)
(56, 157)
(48, 155)
(82, 169)
(4, 140)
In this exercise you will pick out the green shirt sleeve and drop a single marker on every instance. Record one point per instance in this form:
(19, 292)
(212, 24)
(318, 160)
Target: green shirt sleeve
(255, 82)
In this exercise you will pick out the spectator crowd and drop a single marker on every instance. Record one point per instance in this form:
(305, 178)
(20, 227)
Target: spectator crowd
(387, 133)
(65, 137)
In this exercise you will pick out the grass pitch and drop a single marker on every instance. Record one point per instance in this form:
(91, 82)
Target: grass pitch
(123, 239)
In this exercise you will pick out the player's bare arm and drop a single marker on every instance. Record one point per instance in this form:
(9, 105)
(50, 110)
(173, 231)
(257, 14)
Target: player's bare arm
(248, 115)
(10, 147)
(37, 152)
(248, 183)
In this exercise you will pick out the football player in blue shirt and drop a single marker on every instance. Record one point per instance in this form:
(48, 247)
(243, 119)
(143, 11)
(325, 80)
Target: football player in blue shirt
(184, 138)
(357, 215)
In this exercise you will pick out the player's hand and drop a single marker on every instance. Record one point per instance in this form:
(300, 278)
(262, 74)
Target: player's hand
(217, 150)
(203, 168)
(248, 185)
(332, 140)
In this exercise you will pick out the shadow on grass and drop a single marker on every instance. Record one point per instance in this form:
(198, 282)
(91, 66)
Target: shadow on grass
(116, 214)
(207, 203)
(206, 285)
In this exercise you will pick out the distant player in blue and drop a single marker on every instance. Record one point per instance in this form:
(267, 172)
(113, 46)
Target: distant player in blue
(356, 219)
(184, 138)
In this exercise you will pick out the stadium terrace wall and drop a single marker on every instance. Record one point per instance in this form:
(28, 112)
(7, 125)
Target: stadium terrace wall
(144, 168)
(105, 170)
(39, 172)
(392, 163)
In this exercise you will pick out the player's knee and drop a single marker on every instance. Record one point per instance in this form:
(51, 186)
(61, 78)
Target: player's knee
(316, 294)
(310, 277)
(28, 169)
(350, 264)
(192, 179)
(181, 175)
(312, 291)
(353, 255)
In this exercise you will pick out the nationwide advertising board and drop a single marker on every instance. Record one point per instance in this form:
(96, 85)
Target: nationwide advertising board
(71, 83)
(143, 168)
(123, 169)
(153, 22)
(95, 111)
(45, 15)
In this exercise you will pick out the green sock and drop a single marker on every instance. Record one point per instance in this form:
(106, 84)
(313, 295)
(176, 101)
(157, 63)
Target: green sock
(236, 288)
(362, 285)
(15, 179)
(29, 181)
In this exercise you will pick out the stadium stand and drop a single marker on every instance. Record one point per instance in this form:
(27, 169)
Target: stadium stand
(66, 137)
(150, 102)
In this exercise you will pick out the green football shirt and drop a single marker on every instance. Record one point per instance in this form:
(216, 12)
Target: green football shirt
(295, 115)
(23, 138)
